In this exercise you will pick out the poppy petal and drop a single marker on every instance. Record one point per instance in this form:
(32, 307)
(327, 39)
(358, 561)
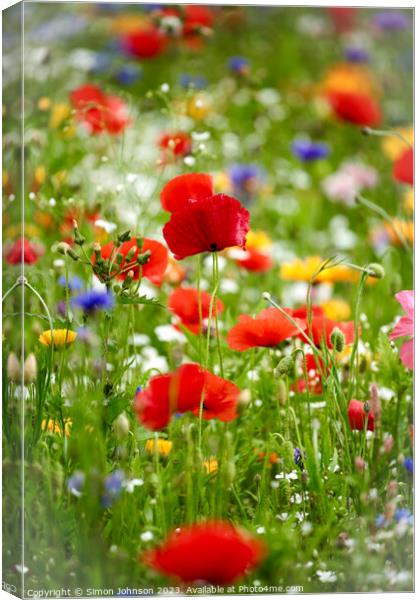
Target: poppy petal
(179, 191)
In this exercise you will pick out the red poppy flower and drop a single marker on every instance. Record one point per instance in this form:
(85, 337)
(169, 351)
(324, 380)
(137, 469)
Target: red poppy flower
(183, 302)
(214, 552)
(404, 167)
(208, 225)
(21, 251)
(356, 108)
(342, 17)
(321, 329)
(180, 191)
(257, 262)
(182, 391)
(358, 415)
(144, 44)
(178, 144)
(197, 16)
(98, 111)
(268, 329)
(153, 270)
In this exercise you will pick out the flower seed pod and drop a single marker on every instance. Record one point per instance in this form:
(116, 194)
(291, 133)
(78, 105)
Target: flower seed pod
(30, 368)
(337, 339)
(14, 372)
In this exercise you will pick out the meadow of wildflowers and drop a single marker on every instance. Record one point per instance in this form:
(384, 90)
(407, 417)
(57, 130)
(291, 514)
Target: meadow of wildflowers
(208, 313)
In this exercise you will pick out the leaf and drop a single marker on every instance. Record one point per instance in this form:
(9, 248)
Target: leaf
(139, 300)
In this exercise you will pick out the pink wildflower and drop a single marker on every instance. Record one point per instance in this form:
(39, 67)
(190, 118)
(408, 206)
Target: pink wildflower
(405, 327)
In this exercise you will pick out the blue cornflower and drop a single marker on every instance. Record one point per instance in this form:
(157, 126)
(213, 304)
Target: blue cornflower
(356, 55)
(192, 81)
(75, 283)
(297, 457)
(239, 64)
(408, 464)
(403, 514)
(242, 175)
(391, 20)
(380, 521)
(113, 486)
(93, 300)
(128, 75)
(75, 483)
(308, 151)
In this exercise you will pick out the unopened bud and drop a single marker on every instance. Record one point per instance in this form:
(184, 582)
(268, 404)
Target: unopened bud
(266, 295)
(121, 426)
(285, 367)
(63, 248)
(282, 393)
(143, 258)
(244, 398)
(139, 243)
(375, 402)
(359, 464)
(125, 236)
(128, 279)
(30, 368)
(130, 255)
(13, 368)
(376, 270)
(119, 259)
(337, 340)
(79, 239)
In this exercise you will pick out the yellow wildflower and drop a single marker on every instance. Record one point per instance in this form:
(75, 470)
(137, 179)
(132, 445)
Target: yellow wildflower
(304, 269)
(211, 465)
(54, 427)
(40, 174)
(222, 182)
(404, 228)
(394, 146)
(345, 77)
(198, 107)
(163, 446)
(59, 113)
(44, 103)
(337, 310)
(257, 240)
(5, 178)
(409, 201)
(58, 337)
(122, 24)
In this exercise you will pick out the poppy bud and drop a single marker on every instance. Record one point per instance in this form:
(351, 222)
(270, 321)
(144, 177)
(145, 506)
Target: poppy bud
(359, 463)
(376, 270)
(244, 398)
(13, 368)
(125, 236)
(121, 426)
(30, 368)
(282, 395)
(139, 243)
(375, 402)
(285, 367)
(337, 339)
(119, 259)
(143, 258)
(388, 444)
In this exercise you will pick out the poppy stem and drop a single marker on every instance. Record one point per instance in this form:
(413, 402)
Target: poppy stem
(216, 286)
(387, 133)
(200, 309)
